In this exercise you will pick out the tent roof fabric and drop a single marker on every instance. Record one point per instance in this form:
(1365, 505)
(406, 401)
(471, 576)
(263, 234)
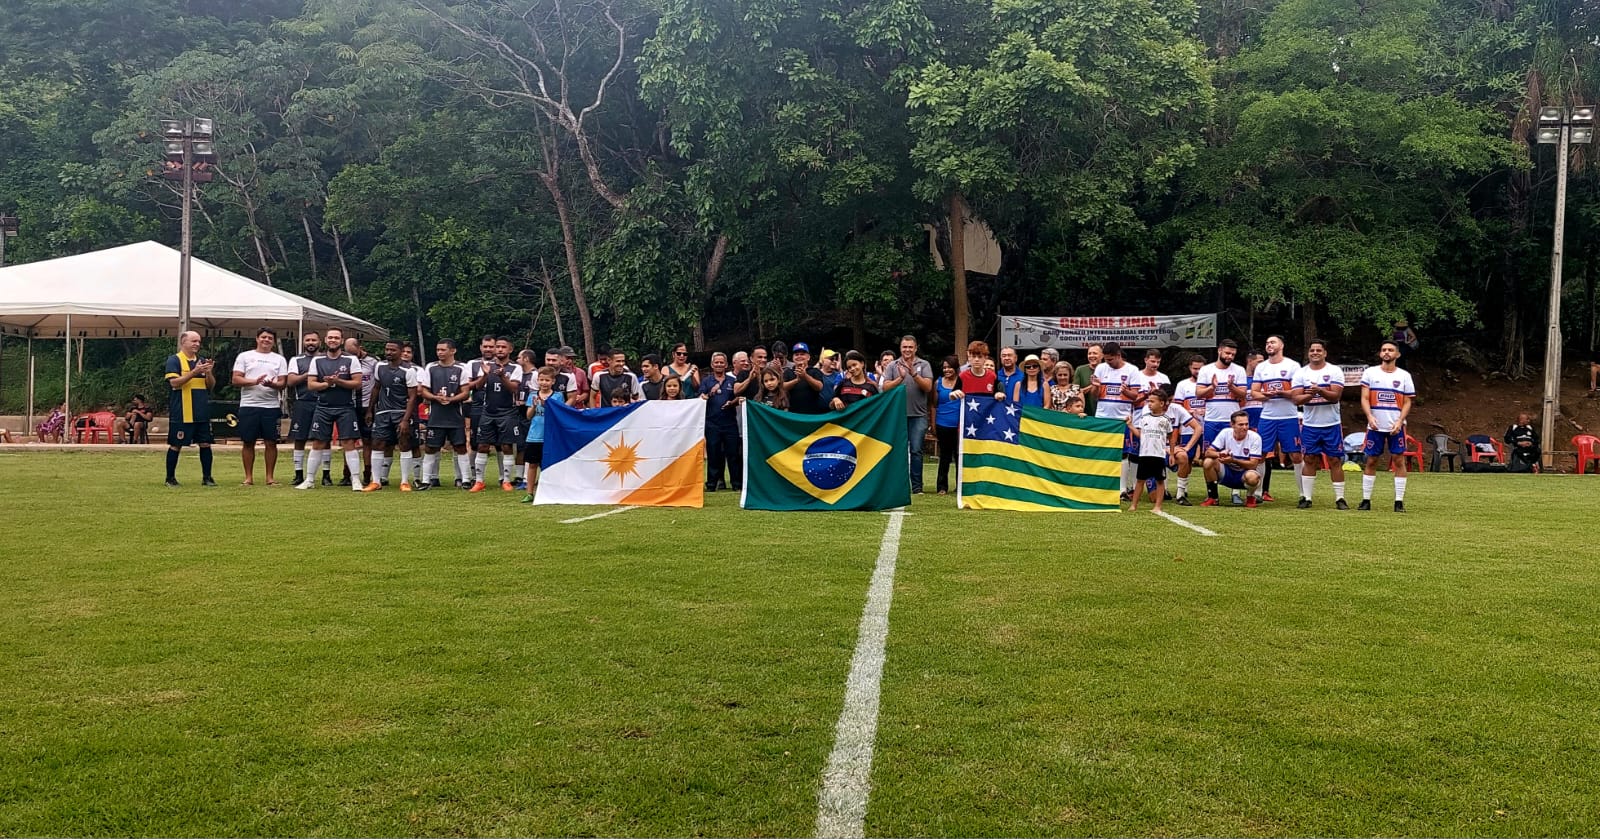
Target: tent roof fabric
(132, 292)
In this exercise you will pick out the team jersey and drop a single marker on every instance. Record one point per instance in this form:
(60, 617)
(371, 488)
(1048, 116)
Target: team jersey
(341, 368)
(1186, 396)
(1319, 412)
(499, 400)
(1115, 404)
(300, 365)
(474, 370)
(1155, 431)
(445, 380)
(1276, 381)
(1143, 383)
(1247, 449)
(1222, 404)
(1251, 403)
(392, 384)
(1386, 393)
(190, 401)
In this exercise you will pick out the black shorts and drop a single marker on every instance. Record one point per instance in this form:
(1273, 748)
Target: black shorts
(183, 433)
(533, 452)
(1151, 468)
(328, 420)
(496, 431)
(300, 417)
(438, 438)
(258, 424)
(474, 417)
(363, 428)
(386, 428)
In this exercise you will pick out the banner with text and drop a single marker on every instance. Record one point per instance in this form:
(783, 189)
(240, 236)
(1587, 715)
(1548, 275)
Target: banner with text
(1197, 331)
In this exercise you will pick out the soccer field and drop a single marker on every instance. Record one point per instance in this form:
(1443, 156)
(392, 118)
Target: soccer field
(263, 661)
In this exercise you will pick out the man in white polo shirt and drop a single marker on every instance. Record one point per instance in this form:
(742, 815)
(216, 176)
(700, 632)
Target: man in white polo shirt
(260, 375)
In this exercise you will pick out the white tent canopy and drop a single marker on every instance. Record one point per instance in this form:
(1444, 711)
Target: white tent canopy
(132, 292)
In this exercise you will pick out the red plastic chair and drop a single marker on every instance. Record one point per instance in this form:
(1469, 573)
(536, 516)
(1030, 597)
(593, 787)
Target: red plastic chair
(1412, 454)
(93, 426)
(1481, 448)
(1587, 447)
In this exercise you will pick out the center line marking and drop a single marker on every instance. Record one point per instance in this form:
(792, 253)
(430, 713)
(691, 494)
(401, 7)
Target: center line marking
(846, 783)
(1180, 522)
(599, 515)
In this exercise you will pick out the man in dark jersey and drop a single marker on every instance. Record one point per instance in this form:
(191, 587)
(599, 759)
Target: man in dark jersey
(419, 423)
(495, 388)
(444, 387)
(804, 383)
(189, 409)
(335, 377)
(305, 403)
(475, 409)
(394, 398)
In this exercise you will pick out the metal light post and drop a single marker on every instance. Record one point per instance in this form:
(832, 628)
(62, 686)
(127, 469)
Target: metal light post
(1563, 127)
(189, 149)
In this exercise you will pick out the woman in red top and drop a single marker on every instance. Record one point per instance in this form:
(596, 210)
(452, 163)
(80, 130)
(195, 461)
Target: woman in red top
(979, 376)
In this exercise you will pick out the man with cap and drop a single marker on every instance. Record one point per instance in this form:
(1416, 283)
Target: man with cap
(579, 378)
(803, 382)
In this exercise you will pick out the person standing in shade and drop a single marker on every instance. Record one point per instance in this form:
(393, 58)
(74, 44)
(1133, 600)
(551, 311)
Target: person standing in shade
(446, 387)
(915, 374)
(389, 416)
(304, 408)
(651, 378)
(616, 374)
(260, 375)
(856, 384)
(497, 425)
(804, 383)
(977, 375)
(1115, 380)
(189, 407)
(947, 419)
(336, 378)
(1083, 377)
(679, 367)
(723, 445)
(1008, 374)
(366, 363)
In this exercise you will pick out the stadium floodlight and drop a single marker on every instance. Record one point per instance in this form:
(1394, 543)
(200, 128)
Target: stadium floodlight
(1583, 134)
(8, 228)
(189, 149)
(1548, 136)
(1561, 127)
(1551, 115)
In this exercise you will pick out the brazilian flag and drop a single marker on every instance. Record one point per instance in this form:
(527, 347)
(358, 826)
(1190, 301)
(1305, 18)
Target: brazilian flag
(855, 459)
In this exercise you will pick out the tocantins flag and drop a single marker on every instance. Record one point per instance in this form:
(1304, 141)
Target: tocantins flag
(855, 459)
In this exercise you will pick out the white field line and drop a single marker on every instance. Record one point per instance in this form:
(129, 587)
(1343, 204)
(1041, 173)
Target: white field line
(846, 783)
(1181, 523)
(599, 515)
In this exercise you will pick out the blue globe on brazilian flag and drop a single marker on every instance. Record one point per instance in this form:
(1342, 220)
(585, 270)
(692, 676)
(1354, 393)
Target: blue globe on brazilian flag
(855, 459)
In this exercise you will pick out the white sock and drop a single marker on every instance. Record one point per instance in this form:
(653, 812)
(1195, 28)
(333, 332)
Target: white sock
(1399, 489)
(1127, 475)
(380, 467)
(1367, 483)
(1183, 485)
(313, 461)
(406, 465)
(480, 465)
(299, 459)
(416, 464)
(352, 461)
(506, 465)
(1338, 490)
(1307, 484)
(430, 466)
(464, 468)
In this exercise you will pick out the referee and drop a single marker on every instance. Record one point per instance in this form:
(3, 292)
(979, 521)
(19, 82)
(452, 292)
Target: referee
(189, 407)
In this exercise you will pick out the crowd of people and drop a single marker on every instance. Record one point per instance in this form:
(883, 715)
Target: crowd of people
(1238, 422)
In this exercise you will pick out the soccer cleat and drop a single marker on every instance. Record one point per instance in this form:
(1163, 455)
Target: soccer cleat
(327, 480)
(306, 484)
(423, 486)
(1267, 496)
(207, 482)
(1341, 505)
(1210, 502)
(435, 483)
(1250, 501)
(1304, 504)
(527, 499)
(506, 486)
(357, 488)
(299, 475)
(1399, 506)
(405, 486)
(477, 486)
(173, 482)
(1183, 501)
(1366, 504)
(1126, 496)
(344, 481)
(372, 487)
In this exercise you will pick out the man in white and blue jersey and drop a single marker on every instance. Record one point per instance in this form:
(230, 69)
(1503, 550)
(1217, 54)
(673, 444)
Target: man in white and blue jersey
(1233, 459)
(1318, 387)
(1272, 383)
(393, 401)
(1386, 394)
(1186, 394)
(1111, 382)
(1223, 384)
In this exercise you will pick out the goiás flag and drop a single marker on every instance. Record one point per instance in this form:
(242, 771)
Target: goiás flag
(650, 454)
(1025, 458)
(855, 459)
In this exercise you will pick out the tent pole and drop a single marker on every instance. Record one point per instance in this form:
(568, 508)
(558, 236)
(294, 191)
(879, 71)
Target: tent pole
(67, 393)
(29, 427)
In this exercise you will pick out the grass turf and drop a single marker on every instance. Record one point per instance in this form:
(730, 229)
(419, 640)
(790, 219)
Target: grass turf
(260, 661)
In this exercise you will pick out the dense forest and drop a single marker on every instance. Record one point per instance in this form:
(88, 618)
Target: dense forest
(640, 172)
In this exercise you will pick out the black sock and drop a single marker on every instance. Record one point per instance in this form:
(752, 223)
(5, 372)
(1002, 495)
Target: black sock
(172, 464)
(205, 462)
(1266, 482)
(1211, 489)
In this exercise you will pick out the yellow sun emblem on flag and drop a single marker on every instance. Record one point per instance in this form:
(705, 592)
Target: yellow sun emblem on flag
(621, 460)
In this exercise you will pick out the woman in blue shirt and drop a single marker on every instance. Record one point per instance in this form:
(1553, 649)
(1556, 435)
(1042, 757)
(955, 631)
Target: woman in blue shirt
(1031, 388)
(947, 419)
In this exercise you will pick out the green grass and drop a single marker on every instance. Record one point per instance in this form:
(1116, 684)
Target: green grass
(239, 661)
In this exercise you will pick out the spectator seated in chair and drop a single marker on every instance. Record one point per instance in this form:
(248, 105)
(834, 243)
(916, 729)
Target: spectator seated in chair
(1522, 439)
(54, 427)
(134, 426)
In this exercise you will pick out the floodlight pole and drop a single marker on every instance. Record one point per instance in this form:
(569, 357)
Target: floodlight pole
(1561, 122)
(184, 253)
